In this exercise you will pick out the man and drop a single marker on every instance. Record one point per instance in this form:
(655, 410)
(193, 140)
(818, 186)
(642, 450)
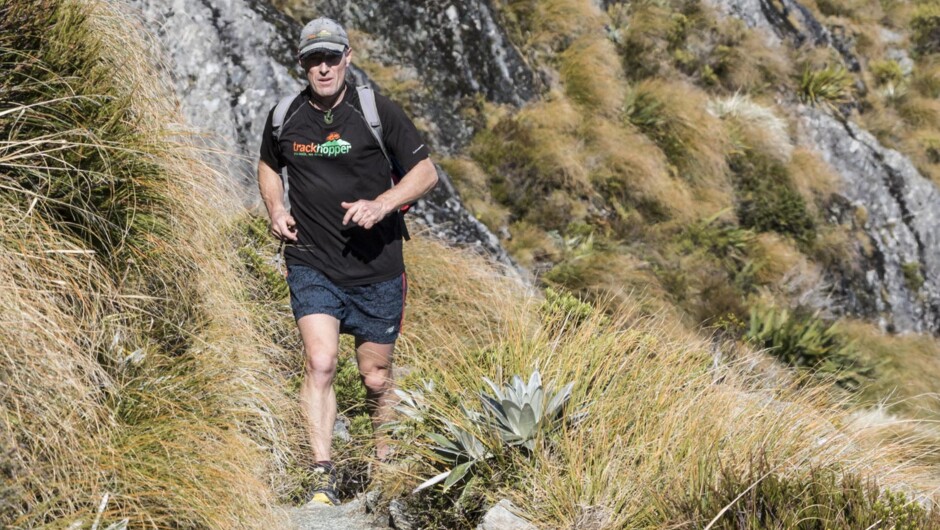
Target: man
(344, 231)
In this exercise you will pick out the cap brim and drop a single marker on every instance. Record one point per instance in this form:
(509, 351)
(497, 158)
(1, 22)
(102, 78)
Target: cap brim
(322, 47)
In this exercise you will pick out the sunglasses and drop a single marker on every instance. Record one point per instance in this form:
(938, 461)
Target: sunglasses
(316, 59)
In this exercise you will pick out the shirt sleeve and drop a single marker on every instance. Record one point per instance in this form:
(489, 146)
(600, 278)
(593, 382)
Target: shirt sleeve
(400, 135)
(270, 153)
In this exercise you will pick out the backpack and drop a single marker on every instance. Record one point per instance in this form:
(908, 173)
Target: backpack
(370, 114)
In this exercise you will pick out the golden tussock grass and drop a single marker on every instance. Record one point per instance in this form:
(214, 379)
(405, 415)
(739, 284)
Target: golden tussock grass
(475, 193)
(904, 403)
(756, 65)
(754, 126)
(480, 297)
(530, 246)
(591, 72)
(551, 25)
(130, 368)
(918, 111)
(923, 148)
(631, 169)
(667, 416)
(674, 115)
(883, 121)
(926, 77)
(908, 365)
(644, 26)
(812, 176)
(537, 149)
(779, 259)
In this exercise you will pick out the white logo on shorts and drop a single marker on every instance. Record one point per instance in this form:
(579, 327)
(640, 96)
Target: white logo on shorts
(390, 330)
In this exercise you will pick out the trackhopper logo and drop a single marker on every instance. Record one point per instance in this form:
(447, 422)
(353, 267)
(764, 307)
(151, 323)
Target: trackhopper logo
(332, 147)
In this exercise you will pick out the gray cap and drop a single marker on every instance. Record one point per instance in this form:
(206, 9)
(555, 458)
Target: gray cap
(322, 35)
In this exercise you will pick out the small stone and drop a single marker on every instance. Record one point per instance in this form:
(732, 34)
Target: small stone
(398, 516)
(502, 517)
(341, 429)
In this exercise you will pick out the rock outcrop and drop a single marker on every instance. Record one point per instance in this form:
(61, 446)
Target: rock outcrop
(899, 210)
(788, 21)
(458, 53)
(899, 281)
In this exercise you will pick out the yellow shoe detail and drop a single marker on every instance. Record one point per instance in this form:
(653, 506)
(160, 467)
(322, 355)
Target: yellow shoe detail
(322, 498)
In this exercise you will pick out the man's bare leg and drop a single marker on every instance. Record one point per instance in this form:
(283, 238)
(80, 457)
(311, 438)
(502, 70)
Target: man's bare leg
(320, 334)
(375, 367)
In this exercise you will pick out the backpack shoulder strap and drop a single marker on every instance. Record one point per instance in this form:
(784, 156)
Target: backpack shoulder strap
(278, 120)
(281, 114)
(371, 113)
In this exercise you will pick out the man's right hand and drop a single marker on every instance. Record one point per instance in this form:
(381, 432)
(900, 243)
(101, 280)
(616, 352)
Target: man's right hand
(283, 227)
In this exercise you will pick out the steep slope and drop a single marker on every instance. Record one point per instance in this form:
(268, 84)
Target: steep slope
(132, 386)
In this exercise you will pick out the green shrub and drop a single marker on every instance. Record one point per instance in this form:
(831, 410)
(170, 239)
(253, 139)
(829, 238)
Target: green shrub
(913, 277)
(804, 340)
(767, 199)
(830, 86)
(717, 237)
(261, 260)
(925, 28)
(565, 305)
(887, 72)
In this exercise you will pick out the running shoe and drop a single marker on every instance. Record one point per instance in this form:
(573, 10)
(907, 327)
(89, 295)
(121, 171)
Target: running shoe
(323, 486)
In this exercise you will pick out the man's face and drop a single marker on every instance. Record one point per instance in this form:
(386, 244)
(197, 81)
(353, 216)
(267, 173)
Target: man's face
(326, 72)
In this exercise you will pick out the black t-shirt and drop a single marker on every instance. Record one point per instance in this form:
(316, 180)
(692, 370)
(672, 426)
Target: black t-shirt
(341, 161)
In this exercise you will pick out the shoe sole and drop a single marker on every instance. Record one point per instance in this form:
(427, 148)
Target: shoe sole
(324, 498)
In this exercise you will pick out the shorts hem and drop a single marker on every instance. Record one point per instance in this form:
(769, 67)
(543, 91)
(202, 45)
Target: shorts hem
(298, 314)
(383, 340)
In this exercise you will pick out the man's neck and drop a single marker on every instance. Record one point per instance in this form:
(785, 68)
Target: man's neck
(321, 103)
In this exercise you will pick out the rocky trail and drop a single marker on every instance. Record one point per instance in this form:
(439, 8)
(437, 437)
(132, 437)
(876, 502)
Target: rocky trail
(349, 516)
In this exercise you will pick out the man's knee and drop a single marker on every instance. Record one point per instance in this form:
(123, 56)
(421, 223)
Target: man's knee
(376, 379)
(321, 362)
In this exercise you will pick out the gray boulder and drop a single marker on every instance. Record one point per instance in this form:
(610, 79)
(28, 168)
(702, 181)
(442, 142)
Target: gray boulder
(503, 517)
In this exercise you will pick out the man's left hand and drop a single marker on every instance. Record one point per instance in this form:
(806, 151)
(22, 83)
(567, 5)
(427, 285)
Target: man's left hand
(364, 213)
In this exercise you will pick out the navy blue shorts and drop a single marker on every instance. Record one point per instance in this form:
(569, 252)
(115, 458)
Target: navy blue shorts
(372, 313)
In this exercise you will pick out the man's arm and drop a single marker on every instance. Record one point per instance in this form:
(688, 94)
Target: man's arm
(365, 213)
(283, 226)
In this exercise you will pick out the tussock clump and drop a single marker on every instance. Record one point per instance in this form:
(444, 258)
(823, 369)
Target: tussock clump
(644, 31)
(592, 76)
(908, 365)
(812, 176)
(130, 368)
(754, 126)
(545, 26)
(537, 151)
(475, 192)
(629, 170)
(923, 148)
(674, 116)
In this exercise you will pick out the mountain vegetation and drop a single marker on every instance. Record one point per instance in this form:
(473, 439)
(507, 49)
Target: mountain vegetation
(150, 365)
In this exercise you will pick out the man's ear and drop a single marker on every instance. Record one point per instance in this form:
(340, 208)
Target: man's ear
(348, 56)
